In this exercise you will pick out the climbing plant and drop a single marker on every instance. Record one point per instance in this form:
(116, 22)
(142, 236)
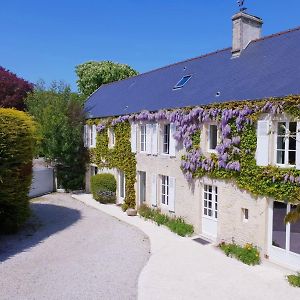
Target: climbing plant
(119, 157)
(235, 154)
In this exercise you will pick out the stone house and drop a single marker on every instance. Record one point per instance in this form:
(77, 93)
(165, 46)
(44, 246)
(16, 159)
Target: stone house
(205, 100)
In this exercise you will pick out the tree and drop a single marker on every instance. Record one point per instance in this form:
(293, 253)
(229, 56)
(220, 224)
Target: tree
(13, 90)
(60, 117)
(91, 75)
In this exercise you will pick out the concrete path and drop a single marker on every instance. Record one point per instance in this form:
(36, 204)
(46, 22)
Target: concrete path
(179, 268)
(71, 251)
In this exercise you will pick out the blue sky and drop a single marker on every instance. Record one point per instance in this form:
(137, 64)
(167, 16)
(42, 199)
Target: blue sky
(47, 39)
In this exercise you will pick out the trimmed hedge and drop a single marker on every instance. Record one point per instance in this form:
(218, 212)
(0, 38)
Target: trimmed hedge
(103, 187)
(17, 142)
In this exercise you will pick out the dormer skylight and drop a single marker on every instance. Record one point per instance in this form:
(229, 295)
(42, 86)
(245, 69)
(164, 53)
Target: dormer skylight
(182, 82)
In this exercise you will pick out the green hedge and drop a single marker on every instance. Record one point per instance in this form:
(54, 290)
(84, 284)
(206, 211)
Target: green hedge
(17, 142)
(103, 187)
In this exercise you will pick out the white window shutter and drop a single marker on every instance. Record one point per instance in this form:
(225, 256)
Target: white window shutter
(154, 139)
(148, 138)
(173, 142)
(94, 135)
(263, 138)
(172, 187)
(154, 190)
(298, 147)
(88, 132)
(133, 137)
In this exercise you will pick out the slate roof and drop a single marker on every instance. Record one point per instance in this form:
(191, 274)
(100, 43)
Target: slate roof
(268, 67)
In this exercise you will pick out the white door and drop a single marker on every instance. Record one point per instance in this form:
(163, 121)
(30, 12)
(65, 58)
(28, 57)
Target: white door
(121, 186)
(142, 187)
(284, 239)
(210, 211)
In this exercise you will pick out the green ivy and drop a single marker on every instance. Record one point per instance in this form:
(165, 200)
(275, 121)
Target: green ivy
(119, 157)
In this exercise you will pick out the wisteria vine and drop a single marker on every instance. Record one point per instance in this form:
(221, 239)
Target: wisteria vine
(232, 122)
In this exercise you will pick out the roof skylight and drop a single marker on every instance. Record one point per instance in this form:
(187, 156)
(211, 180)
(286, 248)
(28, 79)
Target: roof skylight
(182, 82)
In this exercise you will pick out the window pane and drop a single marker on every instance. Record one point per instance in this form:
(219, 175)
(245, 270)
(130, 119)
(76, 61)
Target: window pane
(213, 137)
(210, 213)
(280, 157)
(281, 143)
(210, 196)
(293, 128)
(295, 235)
(279, 227)
(292, 143)
(210, 188)
(292, 157)
(281, 128)
(205, 203)
(205, 211)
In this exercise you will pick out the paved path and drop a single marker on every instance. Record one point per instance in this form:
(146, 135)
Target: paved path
(179, 268)
(77, 252)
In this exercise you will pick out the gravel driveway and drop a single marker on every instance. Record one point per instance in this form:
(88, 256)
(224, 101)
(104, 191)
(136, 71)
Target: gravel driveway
(71, 251)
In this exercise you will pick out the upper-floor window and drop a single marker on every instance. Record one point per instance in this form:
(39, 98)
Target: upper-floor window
(111, 137)
(165, 190)
(212, 137)
(143, 138)
(166, 139)
(286, 143)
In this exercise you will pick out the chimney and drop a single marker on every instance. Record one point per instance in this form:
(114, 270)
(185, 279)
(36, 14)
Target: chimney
(246, 28)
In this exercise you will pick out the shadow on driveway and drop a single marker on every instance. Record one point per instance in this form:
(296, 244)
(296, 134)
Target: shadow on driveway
(46, 220)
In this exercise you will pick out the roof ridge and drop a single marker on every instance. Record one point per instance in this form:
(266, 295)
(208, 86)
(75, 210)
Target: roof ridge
(276, 34)
(197, 57)
(170, 65)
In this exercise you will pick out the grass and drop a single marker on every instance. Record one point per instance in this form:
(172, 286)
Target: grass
(294, 280)
(176, 225)
(248, 254)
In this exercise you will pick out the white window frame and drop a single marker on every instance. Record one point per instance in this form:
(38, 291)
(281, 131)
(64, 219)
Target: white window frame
(145, 188)
(213, 201)
(122, 174)
(165, 190)
(286, 149)
(209, 149)
(143, 138)
(166, 139)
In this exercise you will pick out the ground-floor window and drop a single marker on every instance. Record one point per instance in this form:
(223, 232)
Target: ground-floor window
(142, 186)
(122, 185)
(165, 190)
(210, 205)
(285, 236)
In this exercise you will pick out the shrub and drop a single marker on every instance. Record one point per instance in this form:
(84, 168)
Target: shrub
(179, 226)
(103, 187)
(248, 254)
(294, 280)
(176, 225)
(17, 142)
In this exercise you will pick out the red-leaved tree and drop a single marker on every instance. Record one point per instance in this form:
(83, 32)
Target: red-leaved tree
(13, 90)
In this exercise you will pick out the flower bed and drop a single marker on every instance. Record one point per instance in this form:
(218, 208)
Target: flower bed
(248, 254)
(177, 225)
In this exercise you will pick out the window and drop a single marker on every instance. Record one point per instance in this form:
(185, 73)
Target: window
(245, 214)
(286, 143)
(143, 138)
(122, 185)
(285, 236)
(182, 82)
(166, 139)
(165, 190)
(212, 137)
(111, 137)
(210, 207)
(142, 186)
